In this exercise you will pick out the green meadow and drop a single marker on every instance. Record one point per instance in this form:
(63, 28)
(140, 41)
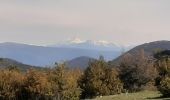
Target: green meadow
(144, 95)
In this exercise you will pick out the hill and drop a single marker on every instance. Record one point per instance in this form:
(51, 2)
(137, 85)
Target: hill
(5, 62)
(79, 62)
(148, 48)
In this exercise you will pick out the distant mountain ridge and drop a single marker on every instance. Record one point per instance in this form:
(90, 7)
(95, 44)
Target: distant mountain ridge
(45, 56)
(75, 57)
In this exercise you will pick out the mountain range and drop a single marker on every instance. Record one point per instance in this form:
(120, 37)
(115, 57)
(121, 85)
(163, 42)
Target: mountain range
(90, 44)
(48, 55)
(14, 53)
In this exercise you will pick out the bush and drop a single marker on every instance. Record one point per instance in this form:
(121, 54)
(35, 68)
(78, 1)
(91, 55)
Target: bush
(36, 85)
(10, 84)
(58, 83)
(64, 83)
(99, 79)
(137, 72)
(164, 87)
(163, 65)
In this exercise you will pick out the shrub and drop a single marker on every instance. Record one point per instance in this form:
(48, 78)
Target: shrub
(56, 84)
(36, 85)
(137, 72)
(64, 83)
(164, 87)
(163, 65)
(99, 79)
(10, 84)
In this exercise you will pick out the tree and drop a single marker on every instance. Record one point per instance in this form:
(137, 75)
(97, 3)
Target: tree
(137, 72)
(99, 79)
(11, 82)
(64, 83)
(36, 85)
(162, 63)
(164, 86)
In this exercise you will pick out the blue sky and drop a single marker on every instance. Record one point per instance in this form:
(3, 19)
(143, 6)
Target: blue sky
(44, 22)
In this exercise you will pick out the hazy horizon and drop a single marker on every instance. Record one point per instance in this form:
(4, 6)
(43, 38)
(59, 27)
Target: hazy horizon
(124, 22)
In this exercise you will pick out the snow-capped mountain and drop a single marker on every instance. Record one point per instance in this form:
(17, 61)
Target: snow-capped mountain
(65, 51)
(90, 44)
(43, 55)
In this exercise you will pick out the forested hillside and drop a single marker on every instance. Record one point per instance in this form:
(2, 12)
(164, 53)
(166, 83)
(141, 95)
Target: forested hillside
(6, 62)
(148, 48)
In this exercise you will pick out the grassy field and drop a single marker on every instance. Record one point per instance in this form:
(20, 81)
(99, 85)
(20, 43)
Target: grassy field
(145, 95)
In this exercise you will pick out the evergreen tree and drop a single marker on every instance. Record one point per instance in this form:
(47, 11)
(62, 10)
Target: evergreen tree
(36, 85)
(163, 65)
(99, 79)
(64, 83)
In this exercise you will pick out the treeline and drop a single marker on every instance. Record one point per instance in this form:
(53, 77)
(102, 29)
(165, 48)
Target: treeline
(134, 73)
(58, 83)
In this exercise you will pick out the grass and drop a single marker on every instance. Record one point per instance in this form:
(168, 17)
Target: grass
(145, 95)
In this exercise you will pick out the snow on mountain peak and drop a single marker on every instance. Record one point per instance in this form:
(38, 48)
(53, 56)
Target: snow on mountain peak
(76, 40)
(91, 44)
(79, 41)
(103, 43)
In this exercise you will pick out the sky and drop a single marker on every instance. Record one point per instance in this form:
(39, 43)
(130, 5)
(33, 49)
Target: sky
(44, 22)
